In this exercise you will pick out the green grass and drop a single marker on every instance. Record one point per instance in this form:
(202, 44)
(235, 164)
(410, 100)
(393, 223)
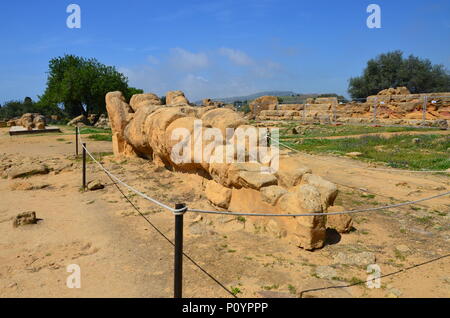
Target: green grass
(292, 289)
(397, 151)
(241, 219)
(92, 130)
(97, 155)
(399, 255)
(101, 137)
(344, 130)
(275, 286)
(235, 290)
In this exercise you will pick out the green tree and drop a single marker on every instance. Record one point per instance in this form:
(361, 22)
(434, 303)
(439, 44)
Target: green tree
(80, 85)
(132, 91)
(16, 108)
(392, 70)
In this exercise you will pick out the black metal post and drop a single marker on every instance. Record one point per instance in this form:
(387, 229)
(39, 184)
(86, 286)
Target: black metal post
(84, 166)
(76, 140)
(178, 265)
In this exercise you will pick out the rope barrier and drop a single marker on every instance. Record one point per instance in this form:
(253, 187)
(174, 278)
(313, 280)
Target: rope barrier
(318, 213)
(180, 211)
(165, 206)
(324, 214)
(175, 211)
(382, 276)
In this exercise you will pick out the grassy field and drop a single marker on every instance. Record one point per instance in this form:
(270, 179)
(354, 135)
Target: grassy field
(416, 152)
(344, 130)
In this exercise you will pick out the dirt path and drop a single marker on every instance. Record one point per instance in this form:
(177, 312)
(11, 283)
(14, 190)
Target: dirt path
(403, 186)
(120, 255)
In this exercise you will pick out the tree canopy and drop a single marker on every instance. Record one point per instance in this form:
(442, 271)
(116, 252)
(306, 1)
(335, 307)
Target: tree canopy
(16, 108)
(80, 85)
(393, 70)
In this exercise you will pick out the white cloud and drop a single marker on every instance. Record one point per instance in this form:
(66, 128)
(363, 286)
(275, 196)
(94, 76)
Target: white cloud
(188, 61)
(236, 56)
(153, 60)
(205, 74)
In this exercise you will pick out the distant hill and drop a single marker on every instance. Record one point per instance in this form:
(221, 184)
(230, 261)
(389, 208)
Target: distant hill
(230, 100)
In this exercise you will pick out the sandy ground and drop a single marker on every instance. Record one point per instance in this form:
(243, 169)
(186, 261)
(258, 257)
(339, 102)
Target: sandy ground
(121, 255)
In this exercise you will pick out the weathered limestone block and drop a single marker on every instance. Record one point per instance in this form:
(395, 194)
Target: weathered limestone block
(135, 132)
(218, 194)
(271, 194)
(328, 190)
(223, 118)
(79, 120)
(326, 100)
(120, 114)
(291, 171)
(39, 121)
(310, 231)
(263, 103)
(176, 98)
(342, 223)
(25, 218)
(139, 100)
(155, 126)
(256, 180)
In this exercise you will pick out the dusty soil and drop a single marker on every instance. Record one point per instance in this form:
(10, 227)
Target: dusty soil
(121, 255)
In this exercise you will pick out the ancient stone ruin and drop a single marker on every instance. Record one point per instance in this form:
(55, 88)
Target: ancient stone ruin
(146, 128)
(31, 121)
(390, 106)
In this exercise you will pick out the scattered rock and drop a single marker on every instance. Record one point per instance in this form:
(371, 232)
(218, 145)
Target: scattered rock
(326, 272)
(102, 122)
(416, 141)
(26, 186)
(217, 194)
(80, 120)
(24, 219)
(12, 285)
(394, 291)
(358, 259)
(197, 219)
(354, 154)
(95, 185)
(342, 223)
(27, 170)
(402, 248)
(197, 229)
(274, 294)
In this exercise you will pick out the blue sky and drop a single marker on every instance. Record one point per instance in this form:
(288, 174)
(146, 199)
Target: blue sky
(217, 48)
